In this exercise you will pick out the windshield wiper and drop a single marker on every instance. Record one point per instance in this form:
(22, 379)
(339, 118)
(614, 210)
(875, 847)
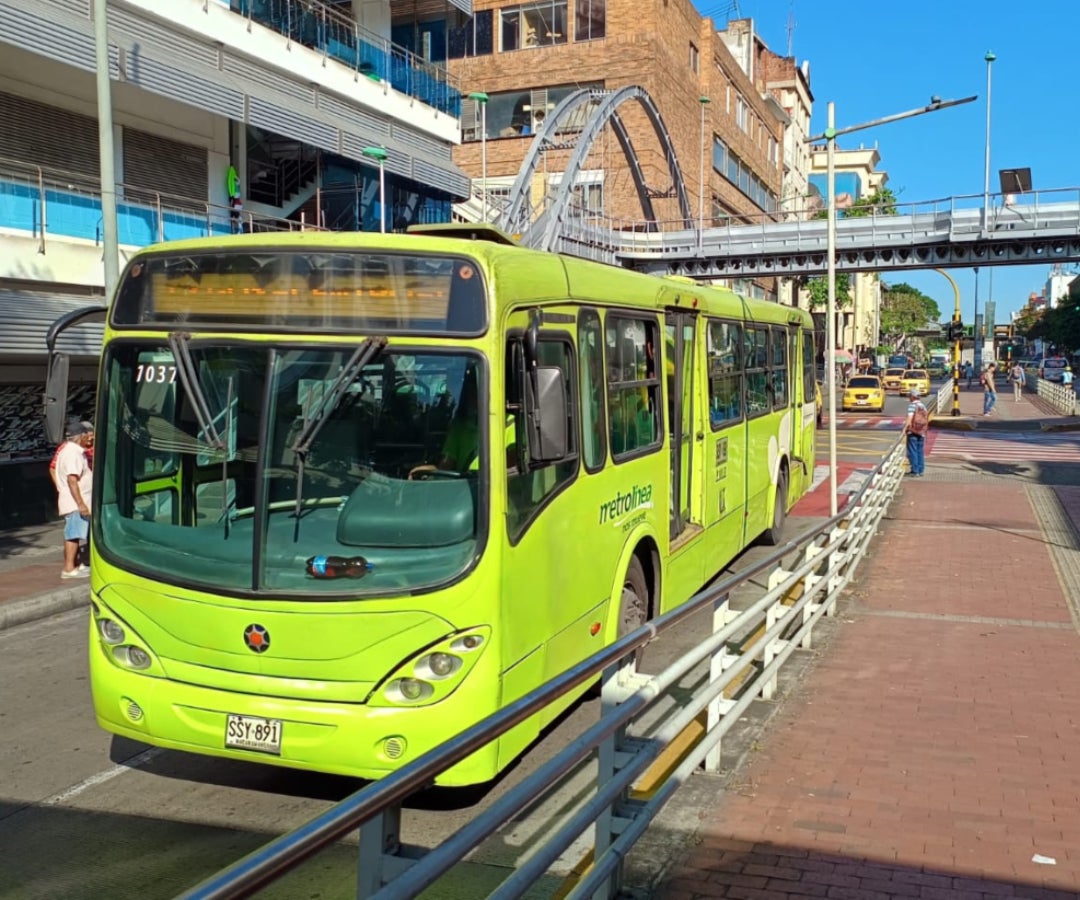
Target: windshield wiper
(363, 354)
(189, 378)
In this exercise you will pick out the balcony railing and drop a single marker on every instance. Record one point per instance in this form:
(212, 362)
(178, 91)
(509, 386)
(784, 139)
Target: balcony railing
(51, 203)
(325, 29)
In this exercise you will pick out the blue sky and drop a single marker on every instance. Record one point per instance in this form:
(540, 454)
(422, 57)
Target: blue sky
(876, 59)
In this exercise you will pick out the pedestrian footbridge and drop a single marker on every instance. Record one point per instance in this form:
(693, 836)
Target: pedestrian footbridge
(961, 231)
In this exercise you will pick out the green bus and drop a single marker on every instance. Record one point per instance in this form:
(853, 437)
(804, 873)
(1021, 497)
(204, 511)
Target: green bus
(354, 492)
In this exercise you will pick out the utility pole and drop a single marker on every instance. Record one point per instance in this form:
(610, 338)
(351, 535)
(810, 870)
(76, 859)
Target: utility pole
(106, 151)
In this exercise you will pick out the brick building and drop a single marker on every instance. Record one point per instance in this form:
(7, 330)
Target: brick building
(709, 86)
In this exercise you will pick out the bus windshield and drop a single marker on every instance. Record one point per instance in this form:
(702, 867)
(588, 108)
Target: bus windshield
(229, 485)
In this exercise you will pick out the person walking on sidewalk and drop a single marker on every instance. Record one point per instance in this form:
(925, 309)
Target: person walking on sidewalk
(73, 491)
(1018, 379)
(989, 391)
(969, 371)
(915, 427)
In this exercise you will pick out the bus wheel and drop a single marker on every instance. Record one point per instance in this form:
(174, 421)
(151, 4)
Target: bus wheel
(772, 536)
(634, 606)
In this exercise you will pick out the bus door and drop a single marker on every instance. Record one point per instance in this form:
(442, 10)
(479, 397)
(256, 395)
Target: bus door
(724, 455)
(686, 437)
(801, 378)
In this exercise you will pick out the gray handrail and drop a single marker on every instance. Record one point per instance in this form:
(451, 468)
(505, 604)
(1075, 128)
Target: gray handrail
(365, 807)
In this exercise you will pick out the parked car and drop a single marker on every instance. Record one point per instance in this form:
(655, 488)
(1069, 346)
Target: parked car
(1053, 368)
(863, 392)
(890, 381)
(915, 380)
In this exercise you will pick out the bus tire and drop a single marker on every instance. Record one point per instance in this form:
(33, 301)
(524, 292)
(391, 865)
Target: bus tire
(634, 604)
(774, 535)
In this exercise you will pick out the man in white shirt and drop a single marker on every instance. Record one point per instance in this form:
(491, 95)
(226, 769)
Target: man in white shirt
(73, 492)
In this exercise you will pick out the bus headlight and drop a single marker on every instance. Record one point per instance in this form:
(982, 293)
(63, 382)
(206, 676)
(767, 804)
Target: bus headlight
(438, 665)
(433, 673)
(132, 657)
(123, 646)
(111, 632)
(408, 690)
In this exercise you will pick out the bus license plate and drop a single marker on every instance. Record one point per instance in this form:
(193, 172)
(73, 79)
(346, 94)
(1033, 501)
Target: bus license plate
(251, 733)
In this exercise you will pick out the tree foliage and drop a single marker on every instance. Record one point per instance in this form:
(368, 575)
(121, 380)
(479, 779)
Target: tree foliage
(1059, 326)
(905, 310)
(818, 289)
(880, 203)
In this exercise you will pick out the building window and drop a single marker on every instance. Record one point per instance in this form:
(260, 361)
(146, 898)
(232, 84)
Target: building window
(774, 157)
(741, 113)
(695, 61)
(534, 25)
(588, 200)
(590, 17)
(474, 38)
(521, 113)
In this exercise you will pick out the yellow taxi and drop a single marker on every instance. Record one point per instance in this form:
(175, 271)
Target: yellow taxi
(915, 380)
(891, 379)
(863, 392)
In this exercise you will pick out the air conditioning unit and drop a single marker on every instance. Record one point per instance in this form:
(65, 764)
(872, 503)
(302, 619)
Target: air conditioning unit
(470, 120)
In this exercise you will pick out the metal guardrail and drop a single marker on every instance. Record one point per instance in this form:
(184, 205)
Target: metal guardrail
(735, 664)
(336, 35)
(1061, 397)
(49, 191)
(942, 401)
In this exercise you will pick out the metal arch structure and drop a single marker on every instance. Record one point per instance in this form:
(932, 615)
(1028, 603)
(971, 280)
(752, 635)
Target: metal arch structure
(544, 232)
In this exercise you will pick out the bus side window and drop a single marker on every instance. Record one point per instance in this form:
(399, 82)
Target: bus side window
(779, 366)
(591, 364)
(725, 373)
(633, 384)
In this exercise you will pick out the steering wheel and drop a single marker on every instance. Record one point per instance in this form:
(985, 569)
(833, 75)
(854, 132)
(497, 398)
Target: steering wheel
(428, 472)
(421, 390)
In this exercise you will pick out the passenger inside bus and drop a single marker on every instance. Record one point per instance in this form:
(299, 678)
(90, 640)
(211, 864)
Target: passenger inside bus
(461, 448)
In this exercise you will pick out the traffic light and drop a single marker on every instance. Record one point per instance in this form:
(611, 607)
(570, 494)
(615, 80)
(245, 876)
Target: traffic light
(956, 331)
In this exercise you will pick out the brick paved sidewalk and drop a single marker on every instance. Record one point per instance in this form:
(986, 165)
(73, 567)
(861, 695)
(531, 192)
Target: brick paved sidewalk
(933, 750)
(31, 559)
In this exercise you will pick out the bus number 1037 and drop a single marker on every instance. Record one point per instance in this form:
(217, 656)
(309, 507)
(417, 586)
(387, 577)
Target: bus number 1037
(152, 374)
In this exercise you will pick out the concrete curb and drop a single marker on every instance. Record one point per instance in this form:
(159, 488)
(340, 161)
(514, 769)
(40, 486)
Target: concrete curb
(41, 606)
(953, 423)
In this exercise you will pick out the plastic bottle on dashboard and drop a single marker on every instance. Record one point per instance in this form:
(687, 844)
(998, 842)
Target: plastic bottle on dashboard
(338, 566)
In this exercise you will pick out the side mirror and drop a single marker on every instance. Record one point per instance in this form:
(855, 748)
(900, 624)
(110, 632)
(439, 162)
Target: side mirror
(546, 415)
(56, 389)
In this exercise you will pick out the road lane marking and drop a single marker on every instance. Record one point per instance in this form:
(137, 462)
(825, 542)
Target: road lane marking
(136, 762)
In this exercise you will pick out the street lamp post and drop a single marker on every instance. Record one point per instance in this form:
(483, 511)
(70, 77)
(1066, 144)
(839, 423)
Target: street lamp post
(956, 343)
(976, 352)
(704, 101)
(482, 98)
(986, 167)
(830, 135)
(379, 155)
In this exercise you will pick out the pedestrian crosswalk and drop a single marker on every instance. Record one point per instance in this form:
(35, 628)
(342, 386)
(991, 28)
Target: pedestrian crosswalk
(883, 422)
(1062, 447)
